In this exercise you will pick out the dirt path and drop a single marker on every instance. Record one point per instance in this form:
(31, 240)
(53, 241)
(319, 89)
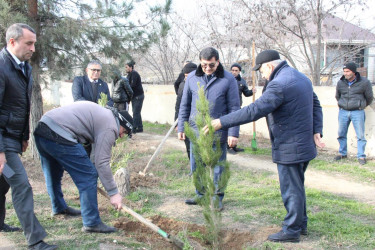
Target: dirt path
(331, 183)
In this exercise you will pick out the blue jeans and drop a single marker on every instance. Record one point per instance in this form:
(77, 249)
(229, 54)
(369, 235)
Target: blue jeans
(357, 117)
(55, 159)
(292, 181)
(218, 170)
(137, 103)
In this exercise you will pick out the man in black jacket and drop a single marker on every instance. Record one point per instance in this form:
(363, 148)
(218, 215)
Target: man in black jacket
(242, 89)
(189, 67)
(15, 95)
(90, 86)
(353, 94)
(138, 96)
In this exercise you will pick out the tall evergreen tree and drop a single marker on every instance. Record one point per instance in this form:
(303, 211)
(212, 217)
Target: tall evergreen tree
(71, 33)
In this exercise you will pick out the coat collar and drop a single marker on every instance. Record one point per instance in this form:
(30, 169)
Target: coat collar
(277, 69)
(219, 73)
(16, 65)
(357, 78)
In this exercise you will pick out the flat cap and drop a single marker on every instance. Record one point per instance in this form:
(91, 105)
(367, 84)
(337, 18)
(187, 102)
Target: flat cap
(264, 57)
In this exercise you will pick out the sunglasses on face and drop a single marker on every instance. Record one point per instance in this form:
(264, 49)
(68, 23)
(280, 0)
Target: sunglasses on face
(210, 65)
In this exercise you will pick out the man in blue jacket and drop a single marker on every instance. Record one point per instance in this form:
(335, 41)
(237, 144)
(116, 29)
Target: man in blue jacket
(221, 91)
(89, 87)
(295, 122)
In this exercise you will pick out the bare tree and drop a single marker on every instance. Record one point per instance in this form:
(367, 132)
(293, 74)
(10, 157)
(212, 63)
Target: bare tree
(298, 29)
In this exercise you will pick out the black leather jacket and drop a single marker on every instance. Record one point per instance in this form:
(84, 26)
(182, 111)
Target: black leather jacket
(121, 91)
(15, 96)
(355, 97)
(243, 88)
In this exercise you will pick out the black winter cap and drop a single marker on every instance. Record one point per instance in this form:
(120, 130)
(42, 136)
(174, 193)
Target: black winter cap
(351, 66)
(236, 65)
(189, 67)
(264, 57)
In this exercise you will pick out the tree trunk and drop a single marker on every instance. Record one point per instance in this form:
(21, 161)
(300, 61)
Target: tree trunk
(36, 97)
(316, 76)
(36, 108)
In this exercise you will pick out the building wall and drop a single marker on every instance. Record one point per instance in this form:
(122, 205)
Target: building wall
(159, 106)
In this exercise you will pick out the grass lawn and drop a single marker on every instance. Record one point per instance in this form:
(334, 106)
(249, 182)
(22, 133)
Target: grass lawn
(252, 203)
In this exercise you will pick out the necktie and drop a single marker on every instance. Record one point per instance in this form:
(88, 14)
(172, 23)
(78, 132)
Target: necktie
(22, 66)
(209, 77)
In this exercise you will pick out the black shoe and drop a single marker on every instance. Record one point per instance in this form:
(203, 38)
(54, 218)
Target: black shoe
(193, 201)
(231, 151)
(69, 211)
(100, 228)
(362, 161)
(283, 237)
(219, 205)
(340, 157)
(41, 245)
(304, 231)
(6, 228)
(238, 149)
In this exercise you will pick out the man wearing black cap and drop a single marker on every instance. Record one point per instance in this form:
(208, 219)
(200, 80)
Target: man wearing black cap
(242, 89)
(189, 67)
(59, 137)
(295, 122)
(353, 94)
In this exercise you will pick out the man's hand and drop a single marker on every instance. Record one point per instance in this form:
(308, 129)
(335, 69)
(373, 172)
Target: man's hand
(25, 144)
(215, 124)
(116, 201)
(3, 160)
(318, 142)
(254, 90)
(232, 141)
(181, 136)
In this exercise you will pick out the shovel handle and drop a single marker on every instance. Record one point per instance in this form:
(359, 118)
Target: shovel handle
(147, 223)
(159, 147)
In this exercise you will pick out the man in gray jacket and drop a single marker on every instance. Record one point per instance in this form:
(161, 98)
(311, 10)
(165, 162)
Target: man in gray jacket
(59, 137)
(353, 94)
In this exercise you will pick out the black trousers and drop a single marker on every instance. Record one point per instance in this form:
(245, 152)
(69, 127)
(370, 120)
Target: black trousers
(23, 201)
(4, 187)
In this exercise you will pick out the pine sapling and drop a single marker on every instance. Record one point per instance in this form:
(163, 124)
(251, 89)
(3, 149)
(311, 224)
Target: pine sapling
(207, 152)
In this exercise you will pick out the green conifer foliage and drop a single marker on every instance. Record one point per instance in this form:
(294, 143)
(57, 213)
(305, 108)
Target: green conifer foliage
(103, 99)
(207, 156)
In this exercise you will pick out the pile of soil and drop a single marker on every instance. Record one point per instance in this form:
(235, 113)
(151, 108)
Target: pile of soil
(231, 239)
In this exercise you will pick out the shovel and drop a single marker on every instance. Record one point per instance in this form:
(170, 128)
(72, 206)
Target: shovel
(254, 145)
(175, 241)
(143, 173)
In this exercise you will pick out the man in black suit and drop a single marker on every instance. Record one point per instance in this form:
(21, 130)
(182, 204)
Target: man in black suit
(89, 87)
(15, 96)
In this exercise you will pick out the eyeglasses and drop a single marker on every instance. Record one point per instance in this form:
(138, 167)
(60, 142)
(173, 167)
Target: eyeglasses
(210, 65)
(96, 70)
